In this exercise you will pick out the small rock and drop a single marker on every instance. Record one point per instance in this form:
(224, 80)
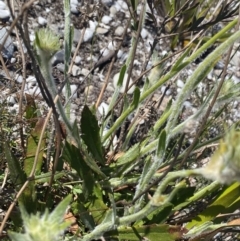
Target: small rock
(74, 9)
(60, 67)
(102, 30)
(42, 21)
(88, 90)
(103, 109)
(19, 79)
(4, 15)
(13, 60)
(77, 60)
(2, 5)
(113, 11)
(88, 35)
(11, 99)
(93, 25)
(120, 53)
(74, 2)
(32, 37)
(85, 72)
(58, 58)
(144, 33)
(107, 2)
(119, 31)
(8, 48)
(76, 70)
(106, 19)
(76, 35)
(104, 52)
(180, 83)
(31, 78)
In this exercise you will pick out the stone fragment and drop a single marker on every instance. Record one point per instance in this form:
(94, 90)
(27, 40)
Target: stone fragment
(8, 48)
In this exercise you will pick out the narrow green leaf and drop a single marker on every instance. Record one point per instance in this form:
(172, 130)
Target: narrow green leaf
(180, 61)
(32, 144)
(91, 135)
(60, 210)
(136, 97)
(73, 156)
(161, 143)
(17, 175)
(121, 76)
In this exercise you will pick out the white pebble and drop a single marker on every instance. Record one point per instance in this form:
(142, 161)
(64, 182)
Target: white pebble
(92, 25)
(104, 52)
(103, 109)
(88, 35)
(74, 9)
(2, 5)
(42, 21)
(77, 60)
(187, 104)
(119, 31)
(122, 88)
(31, 78)
(4, 14)
(19, 79)
(13, 60)
(13, 109)
(120, 53)
(113, 10)
(32, 37)
(85, 72)
(76, 70)
(180, 83)
(144, 33)
(74, 2)
(11, 99)
(112, 45)
(106, 19)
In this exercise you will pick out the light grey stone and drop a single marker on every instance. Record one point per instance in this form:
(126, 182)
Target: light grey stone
(76, 70)
(58, 58)
(102, 30)
(8, 48)
(42, 21)
(119, 31)
(88, 35)
(2, 5)
(60, 67)
(106, 19)
(85, 72)
(76, 35)
(74, 2)
(74, 9)
(4, 14)
(77, 60)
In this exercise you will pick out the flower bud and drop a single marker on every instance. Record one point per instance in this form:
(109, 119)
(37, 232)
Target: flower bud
(224, 165)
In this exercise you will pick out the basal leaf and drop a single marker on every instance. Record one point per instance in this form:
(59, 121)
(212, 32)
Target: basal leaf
(32, 144)
(72, 155)
(91, 135)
